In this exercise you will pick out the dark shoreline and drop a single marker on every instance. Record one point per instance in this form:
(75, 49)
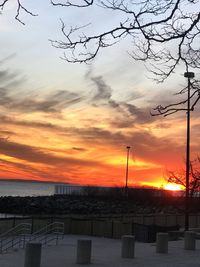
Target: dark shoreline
(91, 205)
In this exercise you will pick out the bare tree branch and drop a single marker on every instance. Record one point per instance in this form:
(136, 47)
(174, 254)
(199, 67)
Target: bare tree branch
(84, 3)
(178, 177)
(164, 33)
(180, 105)
(20, 7)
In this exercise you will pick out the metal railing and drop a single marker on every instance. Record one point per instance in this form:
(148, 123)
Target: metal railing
(18, 236)
(51, 232)
(15, 237)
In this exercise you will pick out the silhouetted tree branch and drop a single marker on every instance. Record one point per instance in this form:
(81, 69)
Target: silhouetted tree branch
(180, 105)
(179, 178)
(20, 7)
(163, 32)
(83, 3)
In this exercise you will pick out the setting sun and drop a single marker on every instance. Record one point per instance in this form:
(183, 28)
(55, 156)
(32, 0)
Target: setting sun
(173, 187)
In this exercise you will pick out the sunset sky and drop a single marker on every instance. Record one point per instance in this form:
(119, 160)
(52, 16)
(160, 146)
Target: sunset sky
(71, 123)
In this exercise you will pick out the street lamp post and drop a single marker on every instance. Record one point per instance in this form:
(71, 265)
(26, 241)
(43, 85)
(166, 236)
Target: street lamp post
(188, 75)
(126, 185)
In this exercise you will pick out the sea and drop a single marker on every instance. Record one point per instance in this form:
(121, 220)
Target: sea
(25, 188)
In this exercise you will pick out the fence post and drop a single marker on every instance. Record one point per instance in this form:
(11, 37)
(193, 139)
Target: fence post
(32, 225)
(112, 228)
(33, 255)
(92, 227)
(13, 224)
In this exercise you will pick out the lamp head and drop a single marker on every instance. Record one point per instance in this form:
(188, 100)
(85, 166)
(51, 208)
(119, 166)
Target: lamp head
(189, 74)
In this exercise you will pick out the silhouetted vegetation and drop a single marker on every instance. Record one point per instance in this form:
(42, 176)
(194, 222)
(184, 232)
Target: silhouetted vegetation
(178, 177)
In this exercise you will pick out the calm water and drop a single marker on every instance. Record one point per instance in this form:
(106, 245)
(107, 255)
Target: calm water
(18, 188)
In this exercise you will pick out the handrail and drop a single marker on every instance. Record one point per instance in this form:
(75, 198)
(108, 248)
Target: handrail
(19, 227)
(21, 234)
(14, 236)
(49, 233)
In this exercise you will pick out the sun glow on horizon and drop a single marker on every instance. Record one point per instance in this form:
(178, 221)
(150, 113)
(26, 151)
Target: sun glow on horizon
(173, 187)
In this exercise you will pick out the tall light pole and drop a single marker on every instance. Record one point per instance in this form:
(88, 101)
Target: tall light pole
(188, 75)
(127, 159)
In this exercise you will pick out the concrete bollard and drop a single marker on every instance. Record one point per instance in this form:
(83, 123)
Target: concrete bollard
(84, 247)
(128, 246)
(162, 243)
(189, 240)
(33, 255)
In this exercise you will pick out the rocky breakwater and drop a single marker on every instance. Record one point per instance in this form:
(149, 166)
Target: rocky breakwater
(52, 205)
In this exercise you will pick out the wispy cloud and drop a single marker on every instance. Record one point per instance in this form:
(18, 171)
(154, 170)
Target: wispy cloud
(13, 121)
(7, 77)
(37, 155)
(14, 99)
(103, 91)
(7, 58)
(129, 113)
(54, 102)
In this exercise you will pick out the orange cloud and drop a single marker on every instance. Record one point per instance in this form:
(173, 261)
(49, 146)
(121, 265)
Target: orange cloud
(82, 138)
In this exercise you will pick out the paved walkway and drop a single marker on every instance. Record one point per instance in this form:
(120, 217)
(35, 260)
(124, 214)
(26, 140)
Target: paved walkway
(107, 252)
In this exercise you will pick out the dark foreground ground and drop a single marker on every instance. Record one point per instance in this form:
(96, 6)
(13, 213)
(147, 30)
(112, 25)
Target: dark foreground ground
(50, 205)
(107, 253)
